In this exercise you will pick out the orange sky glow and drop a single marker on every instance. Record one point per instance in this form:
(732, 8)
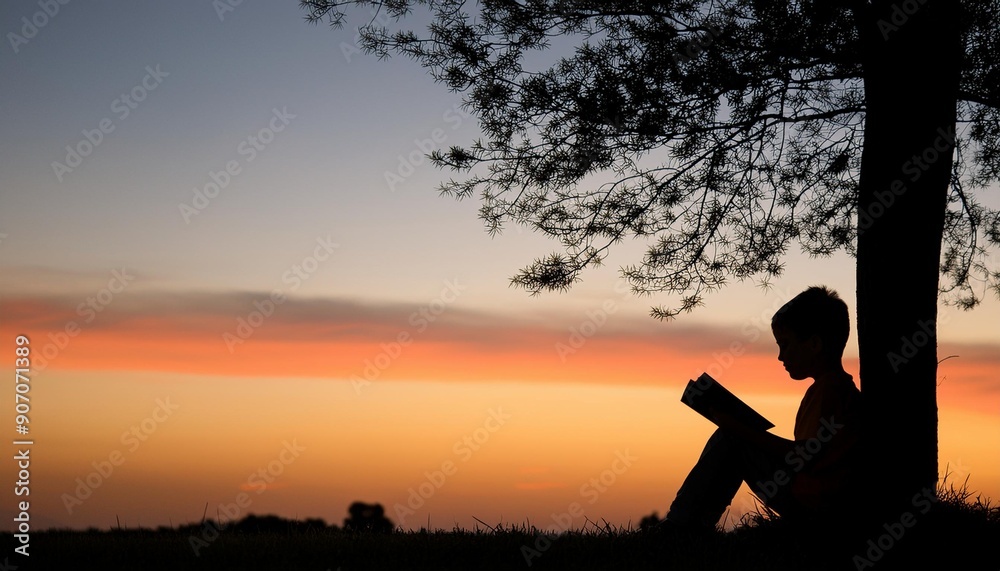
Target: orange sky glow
(533, 418)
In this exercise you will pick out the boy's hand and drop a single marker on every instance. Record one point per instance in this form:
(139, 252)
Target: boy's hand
(728, 422)
(760, 438)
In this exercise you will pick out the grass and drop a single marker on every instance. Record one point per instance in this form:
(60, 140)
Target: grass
(960, 532)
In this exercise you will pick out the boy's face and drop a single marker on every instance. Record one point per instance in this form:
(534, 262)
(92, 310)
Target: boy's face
(801, 357)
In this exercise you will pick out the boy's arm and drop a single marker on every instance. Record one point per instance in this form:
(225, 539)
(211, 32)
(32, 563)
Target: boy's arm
(757, 438)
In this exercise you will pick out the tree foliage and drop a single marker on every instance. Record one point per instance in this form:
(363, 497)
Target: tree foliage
(722, 133)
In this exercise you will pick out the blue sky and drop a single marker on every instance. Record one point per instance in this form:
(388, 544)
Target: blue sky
(355, 120)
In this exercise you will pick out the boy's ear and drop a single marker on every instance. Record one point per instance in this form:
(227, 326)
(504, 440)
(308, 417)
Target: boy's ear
(815, 343)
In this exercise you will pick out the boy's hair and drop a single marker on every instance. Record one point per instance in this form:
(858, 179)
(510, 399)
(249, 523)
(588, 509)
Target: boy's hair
(817, 311)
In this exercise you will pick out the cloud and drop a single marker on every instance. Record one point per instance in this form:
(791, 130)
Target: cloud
(340, 338)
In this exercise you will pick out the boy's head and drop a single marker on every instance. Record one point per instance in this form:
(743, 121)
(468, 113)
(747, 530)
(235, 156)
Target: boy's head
(817, 322)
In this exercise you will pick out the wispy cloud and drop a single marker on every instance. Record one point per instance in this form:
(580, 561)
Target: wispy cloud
(182, 332)
(327, 337)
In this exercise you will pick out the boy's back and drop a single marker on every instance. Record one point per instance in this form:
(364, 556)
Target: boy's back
(827, 433)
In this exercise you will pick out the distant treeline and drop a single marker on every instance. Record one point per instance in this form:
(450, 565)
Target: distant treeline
(363, 518)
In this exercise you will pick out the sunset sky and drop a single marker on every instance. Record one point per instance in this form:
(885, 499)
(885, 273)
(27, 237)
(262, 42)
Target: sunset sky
(325, 328)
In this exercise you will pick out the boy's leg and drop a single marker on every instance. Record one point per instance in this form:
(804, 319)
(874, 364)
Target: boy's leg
(713, 482)
(710, 485)
(773, 485)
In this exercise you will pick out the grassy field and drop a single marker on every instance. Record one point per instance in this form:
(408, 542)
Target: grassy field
(956, 535)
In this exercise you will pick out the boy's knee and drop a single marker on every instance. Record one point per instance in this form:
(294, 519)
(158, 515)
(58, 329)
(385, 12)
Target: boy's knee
(719, 434)
(722, 440)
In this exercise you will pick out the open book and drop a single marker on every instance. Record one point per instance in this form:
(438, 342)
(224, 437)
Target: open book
(706, 393)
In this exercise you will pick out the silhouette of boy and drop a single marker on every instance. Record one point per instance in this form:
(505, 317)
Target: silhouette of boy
(804, 477)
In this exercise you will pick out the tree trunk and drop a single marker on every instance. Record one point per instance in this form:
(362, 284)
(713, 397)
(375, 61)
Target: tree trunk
(911, 64)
